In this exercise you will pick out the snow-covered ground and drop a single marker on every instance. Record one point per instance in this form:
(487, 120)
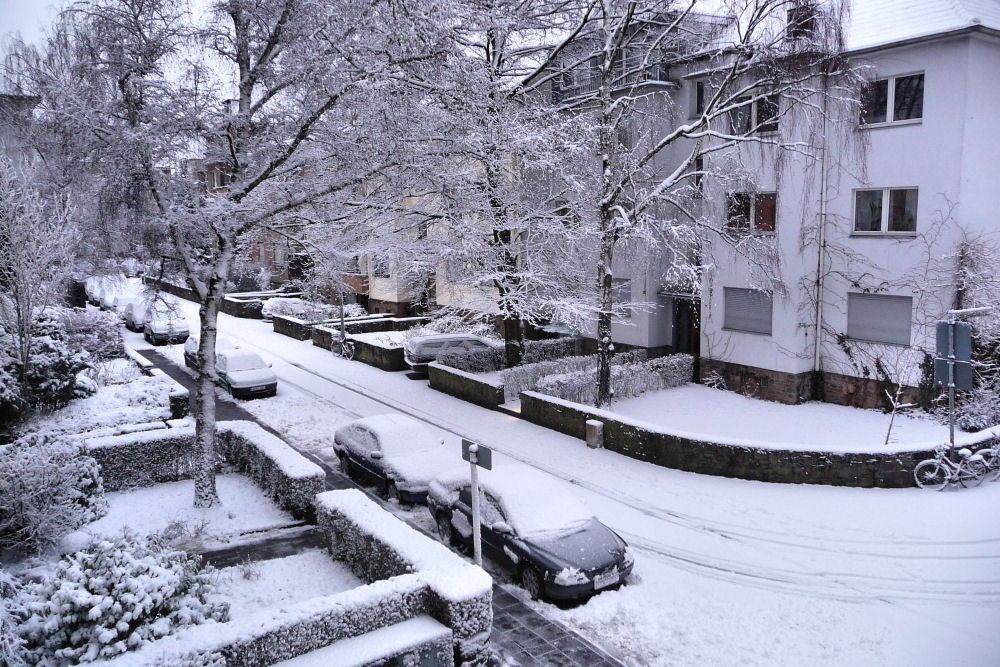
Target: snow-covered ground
(243, 508)
(727, 571)
(728, 416)
(386, 339)
(280, 582)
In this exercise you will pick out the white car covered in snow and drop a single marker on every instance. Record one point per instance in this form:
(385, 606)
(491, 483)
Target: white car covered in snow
(395, 451)
(165, 325)
(244, 374)
(533, 526)
(222, 344)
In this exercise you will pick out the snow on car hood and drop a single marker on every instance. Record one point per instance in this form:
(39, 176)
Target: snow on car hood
(415, 471)
(168, 326)
(251, 377)
(591, 545)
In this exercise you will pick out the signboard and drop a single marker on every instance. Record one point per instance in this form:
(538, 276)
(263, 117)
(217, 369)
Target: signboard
(963, 373)
(963, 340)
(484, 455)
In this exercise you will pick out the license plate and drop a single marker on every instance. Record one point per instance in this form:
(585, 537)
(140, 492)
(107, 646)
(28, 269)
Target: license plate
(606, 579)
(259, 388)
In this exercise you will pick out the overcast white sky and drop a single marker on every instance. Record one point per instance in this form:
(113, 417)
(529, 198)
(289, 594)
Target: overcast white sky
(26, 16)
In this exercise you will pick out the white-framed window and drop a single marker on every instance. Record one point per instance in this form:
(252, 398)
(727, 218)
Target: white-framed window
(752, 212)
(621, 292)
(879, 318)
(895, 99)
(747, 310)
(757, 116)
(885, 211)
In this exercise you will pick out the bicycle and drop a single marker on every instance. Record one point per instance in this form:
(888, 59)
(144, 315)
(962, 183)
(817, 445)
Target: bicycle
(991, 459)
(342, 347)
(939, 471)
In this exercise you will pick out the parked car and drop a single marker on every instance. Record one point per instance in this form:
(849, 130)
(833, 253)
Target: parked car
(395, 451)
(535, 528)
(222, 344)
(244, 374)
(122, 301)
(165, 326)
(422, 350)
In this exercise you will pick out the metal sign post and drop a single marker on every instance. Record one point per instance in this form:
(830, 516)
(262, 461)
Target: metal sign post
(477, 456)
(953, 361)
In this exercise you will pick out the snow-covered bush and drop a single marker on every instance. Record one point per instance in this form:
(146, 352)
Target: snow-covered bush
(10, 388)
(48, 487)
(480, 361)
(980, 409)
(526, 377)
(11, 644)
(112, 598)
(548, 350)
(627, 379)
(96, 331)
(310, 311)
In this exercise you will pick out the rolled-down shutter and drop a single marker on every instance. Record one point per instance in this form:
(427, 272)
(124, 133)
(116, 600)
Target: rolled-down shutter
(880, 318)
(748, 310)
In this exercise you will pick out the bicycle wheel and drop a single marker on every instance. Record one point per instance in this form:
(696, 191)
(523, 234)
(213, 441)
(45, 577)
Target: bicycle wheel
(348, 350)
(930, 475)
(972, 473)
(992, 461)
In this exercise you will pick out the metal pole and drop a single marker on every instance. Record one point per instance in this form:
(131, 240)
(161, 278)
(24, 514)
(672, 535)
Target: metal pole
(477, 545)
(343, 327)
(951, 388)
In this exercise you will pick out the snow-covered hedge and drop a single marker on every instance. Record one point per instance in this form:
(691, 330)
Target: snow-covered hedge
(48, 487)
(288, 477)
(96, 331)
(627, 379)
(308, 310)
(145, 458)
(527, 376)
(482, 361)
(114, 597)
(11, 644)
(550, 349)
(489, 361)
(376, 545)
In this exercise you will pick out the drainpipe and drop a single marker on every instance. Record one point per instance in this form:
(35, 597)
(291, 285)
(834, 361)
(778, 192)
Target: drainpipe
(821, 255)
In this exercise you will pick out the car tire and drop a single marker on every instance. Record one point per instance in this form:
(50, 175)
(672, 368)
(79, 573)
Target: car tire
(345, 464)
(444, 529)
(531, 582)
(392, 493)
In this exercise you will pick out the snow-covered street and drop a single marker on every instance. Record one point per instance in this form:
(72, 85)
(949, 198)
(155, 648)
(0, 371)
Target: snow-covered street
(726, 570)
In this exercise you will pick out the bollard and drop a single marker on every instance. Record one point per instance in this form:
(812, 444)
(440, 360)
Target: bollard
(595, 434)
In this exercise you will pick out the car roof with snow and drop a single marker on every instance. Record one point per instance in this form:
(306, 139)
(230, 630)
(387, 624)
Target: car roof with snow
(240, 358)
(533, 502)
(397, 434)
(434, 338)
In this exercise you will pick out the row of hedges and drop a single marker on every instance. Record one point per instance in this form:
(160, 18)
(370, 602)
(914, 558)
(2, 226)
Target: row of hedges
(533, 352)
(627, 380)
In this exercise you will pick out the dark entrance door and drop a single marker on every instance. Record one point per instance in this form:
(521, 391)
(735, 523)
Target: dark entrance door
(687, 329)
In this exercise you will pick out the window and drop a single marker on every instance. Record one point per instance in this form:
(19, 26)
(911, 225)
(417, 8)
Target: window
(621, 292)
(699, 177)
(698, 98)
(879, 318)
(752, 212)
(747, 310)
(761, 115)
(885, 211)
(801, 21)
(380, 267)
(902, 96)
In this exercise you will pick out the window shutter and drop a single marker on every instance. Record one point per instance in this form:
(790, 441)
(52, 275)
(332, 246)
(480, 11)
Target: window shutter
(747, 310)
(879, 318)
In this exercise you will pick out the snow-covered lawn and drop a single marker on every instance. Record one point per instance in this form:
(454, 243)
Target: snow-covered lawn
(279, 582)
(168, 507)
(718, 415)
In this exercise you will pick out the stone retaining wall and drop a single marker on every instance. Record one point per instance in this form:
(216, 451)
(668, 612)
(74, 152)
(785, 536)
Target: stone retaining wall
(384, 358)
(466, 386)
(645, 443)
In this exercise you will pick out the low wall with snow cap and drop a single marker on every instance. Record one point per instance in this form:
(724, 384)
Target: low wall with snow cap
(765, 462)
(378, 546)
(145, 458)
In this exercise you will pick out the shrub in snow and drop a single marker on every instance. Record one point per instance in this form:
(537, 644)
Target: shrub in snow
(10, 388)
(48, 487)
(51, 378)
(97, 332)
(11, 644)
(526, 377)
(482, 361)
(112, 598)
(145, 458)
(548, 350)
(627, 379)
(980, 409)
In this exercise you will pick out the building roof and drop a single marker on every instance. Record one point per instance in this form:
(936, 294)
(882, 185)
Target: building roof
(875, 23)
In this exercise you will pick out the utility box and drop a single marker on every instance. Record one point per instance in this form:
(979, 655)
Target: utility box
(595, 434)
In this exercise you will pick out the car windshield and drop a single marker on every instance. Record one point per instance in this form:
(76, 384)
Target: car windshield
(246, 361)
(538, 507)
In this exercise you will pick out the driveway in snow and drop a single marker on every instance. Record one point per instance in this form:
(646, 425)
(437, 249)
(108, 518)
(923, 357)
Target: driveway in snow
(727, 571)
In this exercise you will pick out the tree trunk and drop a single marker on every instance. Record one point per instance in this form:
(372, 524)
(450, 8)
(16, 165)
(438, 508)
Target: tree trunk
(205, 494)
(609, 235)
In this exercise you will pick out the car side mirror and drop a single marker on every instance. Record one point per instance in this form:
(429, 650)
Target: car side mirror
(375, 455)
(502, 528)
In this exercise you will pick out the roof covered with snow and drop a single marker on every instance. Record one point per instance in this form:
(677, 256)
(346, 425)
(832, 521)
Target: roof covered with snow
(873, 23)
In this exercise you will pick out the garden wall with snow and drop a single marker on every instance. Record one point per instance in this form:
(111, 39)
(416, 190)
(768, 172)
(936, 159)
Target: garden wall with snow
(422, 605)
(765, 462)
(169, 455)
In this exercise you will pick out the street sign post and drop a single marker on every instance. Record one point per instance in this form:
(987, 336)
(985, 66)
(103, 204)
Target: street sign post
(953, 360)
(478, 456)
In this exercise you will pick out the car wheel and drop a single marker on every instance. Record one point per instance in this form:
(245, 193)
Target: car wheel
(445, 532)
(345, 464)
(531, 582)
(392, 493)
